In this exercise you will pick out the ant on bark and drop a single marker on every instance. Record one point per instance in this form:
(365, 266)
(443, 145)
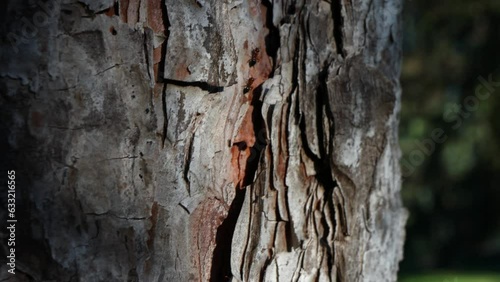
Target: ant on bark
(248, 87)
(253, 60)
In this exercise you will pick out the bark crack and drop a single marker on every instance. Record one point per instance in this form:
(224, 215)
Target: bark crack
(258, 128)
(109, 213)
(205, 86)
(117, 158)
(165, 117)
(148, 51)
(272, 40)
(338, 24)
(188, 151)
(107, 69)
(166, 23)
(221, 261)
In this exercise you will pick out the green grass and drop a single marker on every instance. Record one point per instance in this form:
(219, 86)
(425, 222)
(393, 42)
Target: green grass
(452, 277)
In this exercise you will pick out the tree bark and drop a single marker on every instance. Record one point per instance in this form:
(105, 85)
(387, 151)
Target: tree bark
(204, 140)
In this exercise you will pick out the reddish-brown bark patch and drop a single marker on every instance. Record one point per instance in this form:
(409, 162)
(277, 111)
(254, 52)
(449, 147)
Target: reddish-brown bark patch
(241, 149)
(129, 11)
(152, 230)
(205, 220)
(182, 71)
(155, 16)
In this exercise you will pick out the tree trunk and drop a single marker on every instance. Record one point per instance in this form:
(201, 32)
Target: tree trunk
(204, 140)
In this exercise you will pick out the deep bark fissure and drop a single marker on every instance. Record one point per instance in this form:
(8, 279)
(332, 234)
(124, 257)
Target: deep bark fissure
(116, 8)
(260, 137)
(205, 86)
(338, 23)
(325, 172)
(221, 262)
(269, 120)
(166, 24)
(323, 103)
(165, 116)
(272, 39)
(148, 51)
(301, 121)
(187, 157)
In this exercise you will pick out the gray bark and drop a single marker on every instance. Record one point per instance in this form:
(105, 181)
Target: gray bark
(156, 143)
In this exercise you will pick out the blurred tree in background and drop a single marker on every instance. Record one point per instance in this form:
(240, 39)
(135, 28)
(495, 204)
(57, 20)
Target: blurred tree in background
(451, 48)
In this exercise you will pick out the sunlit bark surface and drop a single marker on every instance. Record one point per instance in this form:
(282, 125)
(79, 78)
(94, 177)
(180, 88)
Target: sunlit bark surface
(204, 140)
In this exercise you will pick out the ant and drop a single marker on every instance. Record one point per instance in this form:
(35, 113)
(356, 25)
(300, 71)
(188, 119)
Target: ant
(253, 60)
(248, 87)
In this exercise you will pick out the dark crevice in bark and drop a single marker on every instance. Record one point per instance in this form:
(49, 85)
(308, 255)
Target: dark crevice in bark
(286, 132)
(148, 51)
(166, 24)
(301, 72)
(330, 205)
(303, 138)
(202, 85)
(322, 166)
(290, 11)
(116, 8)
(340, 204)
(187, 161)
(221, 260)
(242, 145)
(338, 24)
(161, 70)
(322, 102)
(272, 39)
(291, 238)
(184, 208)
(165, 116)
(260, 143)
(269, 119)
(322, 162)
(339, 275)
(251, 250)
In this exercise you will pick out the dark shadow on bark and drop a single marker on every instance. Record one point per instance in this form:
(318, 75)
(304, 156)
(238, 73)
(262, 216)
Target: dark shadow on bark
(260, 137)
(221, 262)
(272, 40)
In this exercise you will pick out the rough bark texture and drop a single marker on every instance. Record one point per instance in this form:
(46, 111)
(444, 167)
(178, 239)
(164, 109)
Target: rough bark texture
(204, 140)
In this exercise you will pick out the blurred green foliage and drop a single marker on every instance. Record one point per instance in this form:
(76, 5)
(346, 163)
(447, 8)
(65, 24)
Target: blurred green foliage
(451, 47)
(453, 277)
